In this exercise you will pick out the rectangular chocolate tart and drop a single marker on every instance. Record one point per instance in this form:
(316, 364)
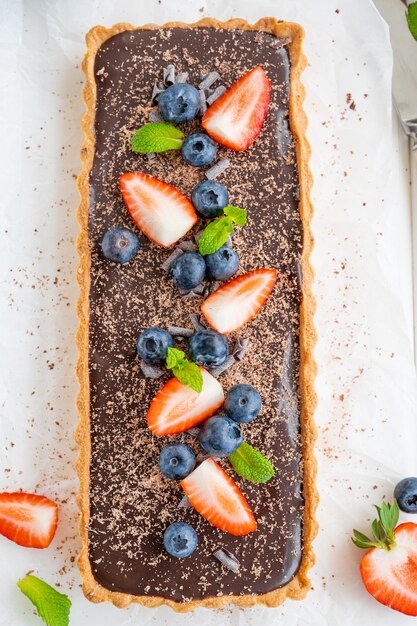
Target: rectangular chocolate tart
(124, 500)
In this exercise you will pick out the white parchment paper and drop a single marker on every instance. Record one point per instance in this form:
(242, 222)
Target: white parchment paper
(366, 384)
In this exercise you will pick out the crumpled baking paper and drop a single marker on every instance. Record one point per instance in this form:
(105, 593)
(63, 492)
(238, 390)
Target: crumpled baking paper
(366, 383)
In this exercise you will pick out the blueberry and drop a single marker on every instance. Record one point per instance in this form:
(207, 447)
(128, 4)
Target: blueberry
(209, 198)
(198, 150)
(188, 270)
(222, 264)
(180, 539)
(120, 245)
(176, 460)
(152, 345)
(406, 494)
(220, 436)
(179, 103)
(242, 403)
(209, 348)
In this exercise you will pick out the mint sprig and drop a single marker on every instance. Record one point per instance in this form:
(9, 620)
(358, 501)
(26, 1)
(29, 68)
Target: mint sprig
(250, 464)
(382, 528)
(157, 137)
(412, 18)
(52, 606)
(184, 370)
(215, 235)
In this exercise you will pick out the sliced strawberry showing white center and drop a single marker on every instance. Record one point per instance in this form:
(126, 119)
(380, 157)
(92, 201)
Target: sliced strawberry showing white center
(159, 210)
(235, 119)
(391, 575)
(177, 407)
(218, 499)
(28, 519)
(235, 303)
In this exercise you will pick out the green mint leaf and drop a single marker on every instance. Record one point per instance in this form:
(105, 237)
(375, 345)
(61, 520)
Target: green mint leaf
(190, 375)
(362, 541)
(250, 464)
(157, 137)
(239, 216)
(175, 358)
(215, 235)
(185, 371)
(53, 607)
(412, 18)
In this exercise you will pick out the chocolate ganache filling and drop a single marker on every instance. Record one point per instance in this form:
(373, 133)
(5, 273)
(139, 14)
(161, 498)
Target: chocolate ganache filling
(131, 502)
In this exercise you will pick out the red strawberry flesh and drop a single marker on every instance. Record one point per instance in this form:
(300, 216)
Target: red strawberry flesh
(235, 119)
(390, 576)
(177, 407)
(28, 519)
(218, 499)
(159, 210)
(235, 303)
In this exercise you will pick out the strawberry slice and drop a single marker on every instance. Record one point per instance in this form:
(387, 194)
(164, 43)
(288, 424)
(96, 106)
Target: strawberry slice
(218, 499)
(28, 519)
(235, 119)
(177, 407)
(389, 568)
(159, 210)
(235, 303)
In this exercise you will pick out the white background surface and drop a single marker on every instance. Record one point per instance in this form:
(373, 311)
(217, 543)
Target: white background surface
(366, 384)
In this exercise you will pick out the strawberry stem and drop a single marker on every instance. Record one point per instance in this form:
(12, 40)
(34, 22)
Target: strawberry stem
(382, 529)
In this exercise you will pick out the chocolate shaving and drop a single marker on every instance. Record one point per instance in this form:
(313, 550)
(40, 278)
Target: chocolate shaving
(193, 432)
(151, 156)
(184, 503)
(202, 456)
(179, 331)
(169, 75)
(241, 347)
(279, 43)
(227, 559)
(192, 293)
(209, 80)
(220, 369)
(219, 91)
(181, 77)
(167, 264)
(156, 92)
(217, 169)
(151, 371)
(198, 234)
(215, 284)
(187, 246)
(203, 103)
(198, 322)
(155, 116)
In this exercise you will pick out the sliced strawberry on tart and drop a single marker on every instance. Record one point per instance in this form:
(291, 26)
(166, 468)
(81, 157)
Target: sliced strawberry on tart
(235, 303)
(177, 407)
(159, 210)
(235, 119)
(28, 519)
(218, 499)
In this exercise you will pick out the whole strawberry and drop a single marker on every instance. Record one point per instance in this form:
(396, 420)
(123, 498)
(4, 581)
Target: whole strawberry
(389, 567)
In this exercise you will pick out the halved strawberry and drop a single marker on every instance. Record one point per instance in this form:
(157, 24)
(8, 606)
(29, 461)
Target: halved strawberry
(389, 568)
(235, 119)
(177, 407)
(218, 499)
(235, 303)
(28, 519)
(159, 210)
